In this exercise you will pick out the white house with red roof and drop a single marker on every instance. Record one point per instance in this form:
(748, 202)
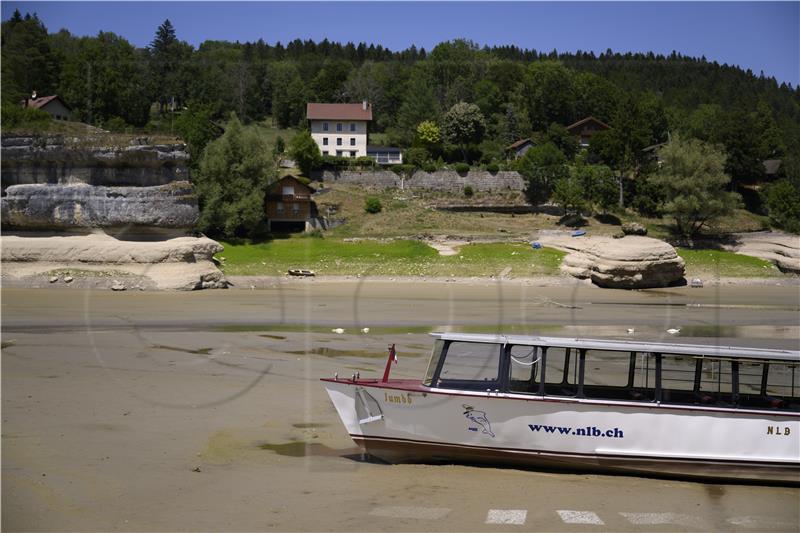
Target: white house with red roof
(52, 104)
(340, 129)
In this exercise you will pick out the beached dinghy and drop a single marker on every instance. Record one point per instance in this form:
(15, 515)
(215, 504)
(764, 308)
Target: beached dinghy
(588, 405)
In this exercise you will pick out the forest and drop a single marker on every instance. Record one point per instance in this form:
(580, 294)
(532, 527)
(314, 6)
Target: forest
(420, 98)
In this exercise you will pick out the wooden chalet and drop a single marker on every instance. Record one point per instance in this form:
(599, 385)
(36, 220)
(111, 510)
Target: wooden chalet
(290, 207)
(518, 149)
(584, 129)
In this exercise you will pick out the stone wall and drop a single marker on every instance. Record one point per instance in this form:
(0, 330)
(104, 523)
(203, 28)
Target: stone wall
(479, 180)
(56, 160)
(441, 180)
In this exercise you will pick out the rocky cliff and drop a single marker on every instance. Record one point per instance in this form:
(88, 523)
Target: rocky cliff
(119, 210)
(94, 161)
(70, 207)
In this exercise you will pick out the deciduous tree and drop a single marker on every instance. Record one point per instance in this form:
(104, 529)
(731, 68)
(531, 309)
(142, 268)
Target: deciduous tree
(692, 174)
(305, 152)
(235, 173)
(463, 124)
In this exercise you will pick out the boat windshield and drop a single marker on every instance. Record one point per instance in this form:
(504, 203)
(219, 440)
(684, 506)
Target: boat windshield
(433, 364)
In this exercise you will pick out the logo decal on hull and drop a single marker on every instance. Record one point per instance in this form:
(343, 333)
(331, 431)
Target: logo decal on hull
(479, 419)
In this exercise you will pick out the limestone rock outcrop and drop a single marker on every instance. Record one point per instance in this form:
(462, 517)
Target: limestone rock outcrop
(65, 207)
(90, 160)
(632, 262)
(183, 263)
(783, 249)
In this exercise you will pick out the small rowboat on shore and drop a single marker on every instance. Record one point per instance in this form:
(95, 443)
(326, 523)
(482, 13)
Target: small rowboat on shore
(662, 409)
(301, 272)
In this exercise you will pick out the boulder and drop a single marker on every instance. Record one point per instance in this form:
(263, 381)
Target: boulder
(633, 228)
(183, 263)
(783, 249)
(632, 262)
(64, 207)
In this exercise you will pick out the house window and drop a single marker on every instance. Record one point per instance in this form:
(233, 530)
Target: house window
(338, 153)
(352, 141)
(338, 126)
(338, 141)
(279, 208)
(324, 126)
(324, 141)
(296, 209)
(324, 152)
(352, 126)
(288, 190)
(352, 154)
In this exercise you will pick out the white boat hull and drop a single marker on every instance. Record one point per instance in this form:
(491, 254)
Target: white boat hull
(402, 421)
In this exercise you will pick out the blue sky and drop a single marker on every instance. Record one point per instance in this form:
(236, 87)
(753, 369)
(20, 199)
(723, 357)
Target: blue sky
(755, 35)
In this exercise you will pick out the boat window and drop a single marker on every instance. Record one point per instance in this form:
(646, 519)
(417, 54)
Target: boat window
(677, 378)
(524, 369)
(470, 365)
(716, 382)
(643, 376)
(606, 375)
(783, 386)
(561, 371)
(433, 364)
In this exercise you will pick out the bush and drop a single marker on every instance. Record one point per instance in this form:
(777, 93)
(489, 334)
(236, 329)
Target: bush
(461, 168)
(416, 156)
(493, 168)
(373, 205)
(304, 150)
(782, 199)
(335, 161)
(429, 167)
(363, 162)
(403, 170)
(116, 125)
(14, 116)
(468, 192)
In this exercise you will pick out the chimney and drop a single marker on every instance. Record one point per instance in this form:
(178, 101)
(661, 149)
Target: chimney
(363, 105)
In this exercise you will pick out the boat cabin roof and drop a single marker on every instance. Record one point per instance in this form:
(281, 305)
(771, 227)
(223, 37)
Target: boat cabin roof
(697, 350)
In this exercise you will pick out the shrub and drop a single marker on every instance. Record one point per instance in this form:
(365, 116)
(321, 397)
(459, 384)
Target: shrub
(14, 116)
(373, 205)
(782, 199)
(335, 162)
(363, 162)
(461, 168)
(403, 170)
(116, 125)
(416, 156)
(468, 192)
(429, 167)
(493, 168)
(304, 150)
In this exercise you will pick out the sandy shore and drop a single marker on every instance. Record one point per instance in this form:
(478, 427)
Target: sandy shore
(157, 411)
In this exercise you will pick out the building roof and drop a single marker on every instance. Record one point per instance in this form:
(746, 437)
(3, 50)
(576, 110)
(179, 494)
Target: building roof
(279, 183)
(587, 120)
(376, 148)
(519, 143)
(43, 101)
(653, 147)
(771, 166)
(316, 111)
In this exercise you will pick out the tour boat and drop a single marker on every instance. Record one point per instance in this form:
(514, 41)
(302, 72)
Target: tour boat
(645, 408)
